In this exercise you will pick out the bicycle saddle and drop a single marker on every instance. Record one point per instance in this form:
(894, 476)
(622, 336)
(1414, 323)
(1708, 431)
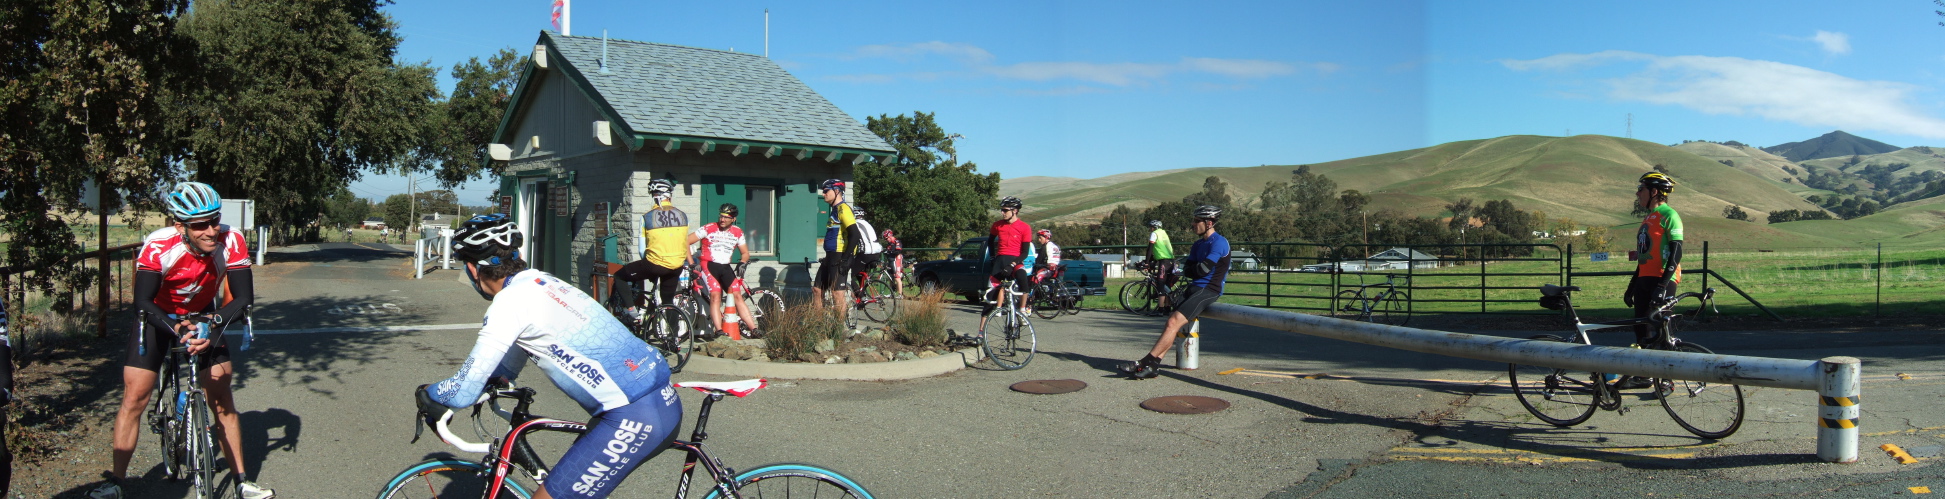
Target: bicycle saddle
(1552, 290)
(738, 388)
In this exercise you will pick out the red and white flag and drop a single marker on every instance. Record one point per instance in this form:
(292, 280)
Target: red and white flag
(559, 5)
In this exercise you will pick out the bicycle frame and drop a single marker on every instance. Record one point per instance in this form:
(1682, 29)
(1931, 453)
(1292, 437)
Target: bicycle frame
(502, 457)
(193, 398)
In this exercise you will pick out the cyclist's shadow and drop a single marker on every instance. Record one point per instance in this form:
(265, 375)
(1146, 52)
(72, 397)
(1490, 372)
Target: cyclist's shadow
(257, 429)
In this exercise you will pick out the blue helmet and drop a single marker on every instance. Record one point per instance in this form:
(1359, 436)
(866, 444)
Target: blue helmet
(192, 200)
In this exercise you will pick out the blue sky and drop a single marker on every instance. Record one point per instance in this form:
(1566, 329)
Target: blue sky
(1088, 89)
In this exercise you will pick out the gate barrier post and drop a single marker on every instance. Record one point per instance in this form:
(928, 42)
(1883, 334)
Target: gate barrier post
(1188, 347)
(1837, 413)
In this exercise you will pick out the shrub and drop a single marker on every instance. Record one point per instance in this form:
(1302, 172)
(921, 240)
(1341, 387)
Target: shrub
(799, 330)
(922, 322)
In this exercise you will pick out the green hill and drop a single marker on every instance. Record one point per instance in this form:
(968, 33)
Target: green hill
(1915, 224)
(1830, 145)
(1922, 159)
(1589, 178)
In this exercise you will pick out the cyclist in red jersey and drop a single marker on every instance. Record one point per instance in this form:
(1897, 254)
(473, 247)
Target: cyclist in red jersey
(721, 240)
(178, 272)
(1006, 246)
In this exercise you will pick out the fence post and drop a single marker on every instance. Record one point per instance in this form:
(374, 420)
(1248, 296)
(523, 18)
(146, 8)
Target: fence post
(1837, 410)
(1880, 280)
(418, 259)
(1705, 268)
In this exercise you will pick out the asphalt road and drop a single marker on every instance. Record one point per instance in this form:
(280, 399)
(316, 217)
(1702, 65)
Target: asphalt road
(328, 414)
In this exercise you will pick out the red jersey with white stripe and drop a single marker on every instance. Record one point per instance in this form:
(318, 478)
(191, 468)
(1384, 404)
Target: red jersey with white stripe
(188, 280)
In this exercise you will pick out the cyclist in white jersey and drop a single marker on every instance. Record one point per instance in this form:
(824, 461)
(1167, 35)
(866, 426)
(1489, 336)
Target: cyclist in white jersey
(620, 381)
(720, 240)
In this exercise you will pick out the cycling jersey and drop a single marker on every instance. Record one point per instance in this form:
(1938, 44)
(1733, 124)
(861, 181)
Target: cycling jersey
(719, 244)
(1214, 250)
(837, 231)
(1008, 237)
(1654, 242)
(1053, 255)
(667, 231)
(188, 280)
(1159, 247)
(580, 346)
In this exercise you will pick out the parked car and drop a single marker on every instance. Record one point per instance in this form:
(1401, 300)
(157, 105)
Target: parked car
(964, 271)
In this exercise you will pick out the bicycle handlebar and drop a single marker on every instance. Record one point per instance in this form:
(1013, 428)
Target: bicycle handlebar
(497, 389)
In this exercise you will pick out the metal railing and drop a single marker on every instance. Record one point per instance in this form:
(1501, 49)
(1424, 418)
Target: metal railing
(1836, 379)
(110, 283)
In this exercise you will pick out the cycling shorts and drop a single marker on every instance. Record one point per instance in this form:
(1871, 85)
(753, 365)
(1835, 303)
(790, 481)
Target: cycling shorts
(147, 349)
(667, 280)
(1193, 300)
(617, 441)
(831, 272)
(720, 275)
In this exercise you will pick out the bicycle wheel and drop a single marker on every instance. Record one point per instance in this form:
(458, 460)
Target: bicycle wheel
(877, 300)
(201, 448)
(446, 478)
(1046, 302)
(698, 310)
(1350, 305)
(1072, 293)
(1558, 396)
(1007, 339)
(764, 303)
(1138, 297)
(795, 480)
(1709, 410)
(168, 429)
(673, 332)
(1390, 309)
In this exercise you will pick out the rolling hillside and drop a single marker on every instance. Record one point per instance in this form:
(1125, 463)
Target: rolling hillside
(1922, 159)
(1588, 178)
(1830, 145)
(1752, 160)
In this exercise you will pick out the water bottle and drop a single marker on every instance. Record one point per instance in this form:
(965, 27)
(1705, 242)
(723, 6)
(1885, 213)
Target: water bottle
(685, 279)
(247, 335)
(182, 402)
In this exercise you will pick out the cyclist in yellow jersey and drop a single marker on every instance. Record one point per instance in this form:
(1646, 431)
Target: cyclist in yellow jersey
(1162, 253)
(840, 241)
(666, 232)
(1658, 246)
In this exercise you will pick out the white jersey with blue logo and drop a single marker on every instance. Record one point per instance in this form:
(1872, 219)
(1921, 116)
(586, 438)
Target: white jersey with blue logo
(587, 353)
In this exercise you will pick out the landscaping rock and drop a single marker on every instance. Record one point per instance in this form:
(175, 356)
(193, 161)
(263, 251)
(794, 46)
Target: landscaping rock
(825, 346)
(808, 357)
(907, 356)
(866, 357)
(759, 357)
(833, 360)
(927, 354)
(874, 333)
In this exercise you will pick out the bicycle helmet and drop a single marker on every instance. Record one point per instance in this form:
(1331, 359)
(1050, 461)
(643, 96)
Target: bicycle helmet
(1045, 233)
(885, 235)
(484, 238)
(831, 185)
(857, 211)
(1658, 181)
(192, 200)
(1155, 223)
(661, 187)
(729, 209)
(1010, 202)
(1207, 211)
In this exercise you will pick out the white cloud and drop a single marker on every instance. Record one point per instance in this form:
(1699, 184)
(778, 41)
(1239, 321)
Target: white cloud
(976, 61)
(1833, 43)
(1771, 90)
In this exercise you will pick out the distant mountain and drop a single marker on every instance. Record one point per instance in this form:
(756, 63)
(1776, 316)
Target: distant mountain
(1830, 145)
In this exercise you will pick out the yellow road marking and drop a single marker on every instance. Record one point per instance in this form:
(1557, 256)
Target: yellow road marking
(1920, 489)
(1899, 432)
(1337, 377)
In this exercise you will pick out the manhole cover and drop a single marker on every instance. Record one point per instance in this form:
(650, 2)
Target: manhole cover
(1049, 386)
(1185, 404)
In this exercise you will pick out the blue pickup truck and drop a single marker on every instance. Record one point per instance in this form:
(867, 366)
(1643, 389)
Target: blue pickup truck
(964, 271)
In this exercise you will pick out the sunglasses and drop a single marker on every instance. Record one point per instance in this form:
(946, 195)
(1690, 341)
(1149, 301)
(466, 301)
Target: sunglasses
(204, 224)
(1008, 210)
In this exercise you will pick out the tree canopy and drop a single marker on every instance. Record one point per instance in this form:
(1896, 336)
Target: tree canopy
(926, 195)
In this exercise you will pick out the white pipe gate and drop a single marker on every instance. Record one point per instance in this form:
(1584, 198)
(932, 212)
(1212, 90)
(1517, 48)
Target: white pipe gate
(1836, 379)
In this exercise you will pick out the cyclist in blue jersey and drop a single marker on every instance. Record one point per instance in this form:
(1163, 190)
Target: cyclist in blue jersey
(620, 381)
(1208, 269)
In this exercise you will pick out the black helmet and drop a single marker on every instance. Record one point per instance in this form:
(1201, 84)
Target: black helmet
(1155, 223)
(857, 211)
(729, 209)
(661, 187)
(1658, 181)
(1010, 202)
(482, 239)
(831, 185)
(1208, 211)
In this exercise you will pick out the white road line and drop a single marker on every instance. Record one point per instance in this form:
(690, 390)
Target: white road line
(366, 329)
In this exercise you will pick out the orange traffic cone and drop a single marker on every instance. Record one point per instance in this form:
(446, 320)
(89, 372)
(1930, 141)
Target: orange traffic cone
(731, 323)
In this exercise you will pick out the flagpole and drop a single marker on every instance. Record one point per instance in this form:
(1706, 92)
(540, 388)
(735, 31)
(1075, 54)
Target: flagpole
(567, 17)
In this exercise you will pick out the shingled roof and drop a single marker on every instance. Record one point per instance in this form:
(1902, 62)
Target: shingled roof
(657, 90)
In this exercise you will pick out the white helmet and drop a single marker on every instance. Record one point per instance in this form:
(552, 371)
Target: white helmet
(192, 200)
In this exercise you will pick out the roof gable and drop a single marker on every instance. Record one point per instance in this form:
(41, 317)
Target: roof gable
(681, 91)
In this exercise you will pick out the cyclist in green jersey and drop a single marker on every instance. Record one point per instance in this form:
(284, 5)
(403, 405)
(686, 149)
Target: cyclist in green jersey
(1162, 253)
(1658, 248)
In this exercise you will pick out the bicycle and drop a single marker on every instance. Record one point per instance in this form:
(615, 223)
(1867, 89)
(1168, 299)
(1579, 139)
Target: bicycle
(1012, 346)
(1143, 296)
(492, 477)
(762, 301)
(1053, 295)
(1562, 398)
(181, 417)
(1381, 303)
(669, 328)
(873, 294)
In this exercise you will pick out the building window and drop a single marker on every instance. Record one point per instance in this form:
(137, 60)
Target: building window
(760, 219)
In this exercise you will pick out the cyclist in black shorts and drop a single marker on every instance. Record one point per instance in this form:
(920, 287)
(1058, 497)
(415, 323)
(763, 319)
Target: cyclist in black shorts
(1208, 269)
(1007, 245)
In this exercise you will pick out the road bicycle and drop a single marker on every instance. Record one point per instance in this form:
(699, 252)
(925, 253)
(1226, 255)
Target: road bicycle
(872, 293)
(1565, 398)
(669, 328)
(180, 416)
(1054, 295)
(1381, 303)
(1144, 296)
(493, 476)
(1011, 343)
(763, 302)
(694, 298)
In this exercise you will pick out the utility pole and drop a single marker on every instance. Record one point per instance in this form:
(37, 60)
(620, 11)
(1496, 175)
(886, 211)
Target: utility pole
(1367, 226)
(1630, 125)
(411, 191)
